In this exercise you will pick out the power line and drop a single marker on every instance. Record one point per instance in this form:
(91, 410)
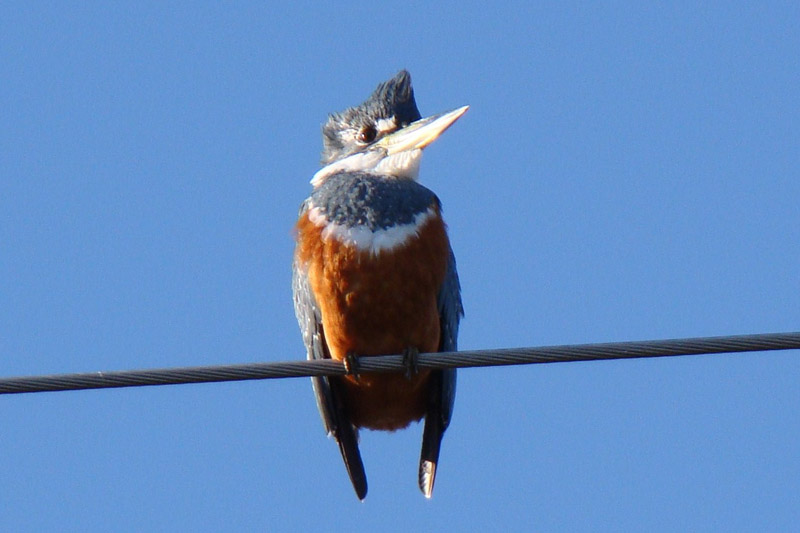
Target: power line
(394, 363)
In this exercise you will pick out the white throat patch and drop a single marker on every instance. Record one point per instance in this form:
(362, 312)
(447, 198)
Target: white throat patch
(400, 165)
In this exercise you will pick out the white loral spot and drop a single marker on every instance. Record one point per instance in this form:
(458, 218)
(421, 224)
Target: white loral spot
(400, 165)
(386, 125)
(366, 240)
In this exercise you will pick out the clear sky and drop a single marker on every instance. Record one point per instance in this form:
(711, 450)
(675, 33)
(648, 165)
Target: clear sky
(624, 173)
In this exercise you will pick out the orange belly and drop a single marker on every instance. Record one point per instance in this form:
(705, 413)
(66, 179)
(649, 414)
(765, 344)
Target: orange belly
(376, 305)
(385, 401)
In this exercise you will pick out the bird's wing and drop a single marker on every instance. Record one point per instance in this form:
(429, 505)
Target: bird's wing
(327, 391)
(310, 321)
(442, 391)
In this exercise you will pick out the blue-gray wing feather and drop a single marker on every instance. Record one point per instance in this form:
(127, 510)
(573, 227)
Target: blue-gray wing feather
(450, 313)
(310, 320)
(443, 382)
(327, 393)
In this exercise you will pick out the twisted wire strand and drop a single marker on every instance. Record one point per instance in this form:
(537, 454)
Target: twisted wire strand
(394, 363)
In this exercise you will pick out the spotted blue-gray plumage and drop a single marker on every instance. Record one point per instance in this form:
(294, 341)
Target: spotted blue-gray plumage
(362, 199)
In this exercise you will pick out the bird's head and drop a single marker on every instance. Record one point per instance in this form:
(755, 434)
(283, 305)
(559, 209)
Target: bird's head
(384, 135)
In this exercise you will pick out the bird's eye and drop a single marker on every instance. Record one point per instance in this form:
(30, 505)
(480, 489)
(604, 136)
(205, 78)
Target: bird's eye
(367, 134)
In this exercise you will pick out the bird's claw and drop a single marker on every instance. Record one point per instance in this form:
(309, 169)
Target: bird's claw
(351, 365)
(411, 361)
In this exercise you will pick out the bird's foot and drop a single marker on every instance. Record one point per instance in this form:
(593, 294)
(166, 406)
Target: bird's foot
(351, 365)
(411, 361)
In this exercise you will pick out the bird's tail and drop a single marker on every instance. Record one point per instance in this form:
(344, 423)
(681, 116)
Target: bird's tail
(429, 458)
(348, 445)
(347, 437)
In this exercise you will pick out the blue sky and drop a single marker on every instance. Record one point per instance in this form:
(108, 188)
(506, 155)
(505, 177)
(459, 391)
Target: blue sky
(624, 173)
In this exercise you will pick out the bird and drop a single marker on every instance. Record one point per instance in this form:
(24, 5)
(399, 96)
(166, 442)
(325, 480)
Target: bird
(374, 274)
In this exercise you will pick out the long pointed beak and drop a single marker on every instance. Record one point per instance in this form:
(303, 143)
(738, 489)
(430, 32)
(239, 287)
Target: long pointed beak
(421, 133)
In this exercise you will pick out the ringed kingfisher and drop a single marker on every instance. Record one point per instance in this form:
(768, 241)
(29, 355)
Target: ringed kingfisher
(374, 274)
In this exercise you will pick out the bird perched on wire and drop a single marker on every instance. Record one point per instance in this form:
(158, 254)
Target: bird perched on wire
(374, 274)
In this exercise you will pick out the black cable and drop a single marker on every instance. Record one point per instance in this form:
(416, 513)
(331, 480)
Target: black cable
(394, 363)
